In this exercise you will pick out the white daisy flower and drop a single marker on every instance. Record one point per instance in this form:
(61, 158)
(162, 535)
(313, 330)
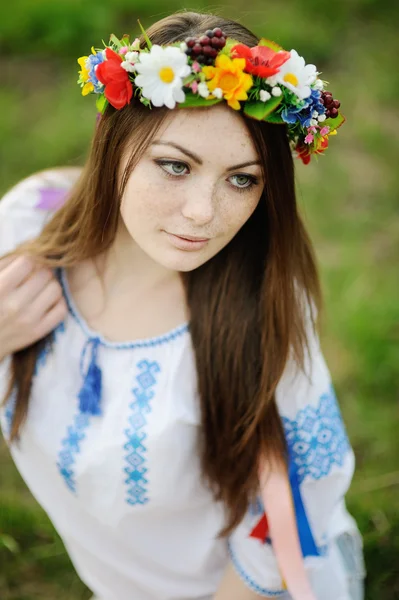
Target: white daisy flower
(297, 76)
(161, 73)
(203, 90)
(264, 96)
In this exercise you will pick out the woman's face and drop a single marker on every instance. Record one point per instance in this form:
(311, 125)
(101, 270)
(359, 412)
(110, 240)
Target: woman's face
(201, 178)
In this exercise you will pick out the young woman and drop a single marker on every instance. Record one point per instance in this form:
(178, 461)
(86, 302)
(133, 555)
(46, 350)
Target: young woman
(167, 401)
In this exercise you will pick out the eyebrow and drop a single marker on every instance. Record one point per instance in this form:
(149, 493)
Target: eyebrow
(197, 159)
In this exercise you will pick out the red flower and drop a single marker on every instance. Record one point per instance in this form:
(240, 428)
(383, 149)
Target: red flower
(118, 87)
(305, 150)
(261, 60)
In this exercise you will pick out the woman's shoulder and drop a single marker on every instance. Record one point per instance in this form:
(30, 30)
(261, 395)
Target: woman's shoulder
(26, 206)
(29, 189)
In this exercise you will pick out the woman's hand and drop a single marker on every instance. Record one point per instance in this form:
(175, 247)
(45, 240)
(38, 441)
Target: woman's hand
(31, 303)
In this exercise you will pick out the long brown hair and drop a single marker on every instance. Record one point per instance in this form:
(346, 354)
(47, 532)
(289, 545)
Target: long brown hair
(246, 304)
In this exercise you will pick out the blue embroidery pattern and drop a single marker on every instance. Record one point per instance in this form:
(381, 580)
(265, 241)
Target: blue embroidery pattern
(317, 438)
(70, 448)
(136, 471)
(9, 414)
(43, 354)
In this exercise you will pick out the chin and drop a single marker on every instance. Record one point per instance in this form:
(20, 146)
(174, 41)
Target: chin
(185, 264)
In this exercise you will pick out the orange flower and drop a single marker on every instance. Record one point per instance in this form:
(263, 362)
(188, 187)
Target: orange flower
(228, 75)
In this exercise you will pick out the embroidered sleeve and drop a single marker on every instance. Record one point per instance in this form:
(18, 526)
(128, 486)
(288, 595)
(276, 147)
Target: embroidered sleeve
(26, 207)
(321, 464)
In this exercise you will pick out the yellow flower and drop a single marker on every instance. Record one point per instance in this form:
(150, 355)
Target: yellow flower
(228, 74)
(84, 73)
(87, 86)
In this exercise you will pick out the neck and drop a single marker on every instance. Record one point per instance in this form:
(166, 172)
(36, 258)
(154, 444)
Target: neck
(126, 267)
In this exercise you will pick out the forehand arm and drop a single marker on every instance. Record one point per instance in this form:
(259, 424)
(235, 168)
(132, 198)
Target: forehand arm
(276, 495)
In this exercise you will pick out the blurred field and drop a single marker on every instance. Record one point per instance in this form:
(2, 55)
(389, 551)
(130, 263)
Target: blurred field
(349, 200)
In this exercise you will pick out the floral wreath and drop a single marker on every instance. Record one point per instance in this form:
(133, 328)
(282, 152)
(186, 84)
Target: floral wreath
(266, 82)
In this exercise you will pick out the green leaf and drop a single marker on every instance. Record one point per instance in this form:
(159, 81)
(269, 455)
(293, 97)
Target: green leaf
(145, 36)
(259, 110)
(113, 39)
(193, 100)
(189, 79)
(274, 118)
(145, 101)
(6, 541)
(230, 43)
(101, 103)
(333, 124)
(270, 44)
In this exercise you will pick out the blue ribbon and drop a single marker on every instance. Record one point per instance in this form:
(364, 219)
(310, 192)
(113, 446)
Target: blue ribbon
(308, 544)
(90, 393)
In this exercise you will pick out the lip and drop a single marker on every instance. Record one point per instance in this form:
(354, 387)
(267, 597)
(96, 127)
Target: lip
(190, 237)
(187, 243)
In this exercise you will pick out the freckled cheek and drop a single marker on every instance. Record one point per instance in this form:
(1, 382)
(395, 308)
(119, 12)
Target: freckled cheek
(234, 212)
(147, 202)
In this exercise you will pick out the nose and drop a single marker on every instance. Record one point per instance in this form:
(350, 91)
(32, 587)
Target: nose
(199, 204)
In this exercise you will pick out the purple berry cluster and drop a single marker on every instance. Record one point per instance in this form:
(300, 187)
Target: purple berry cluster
(330, 104)
(206, 48)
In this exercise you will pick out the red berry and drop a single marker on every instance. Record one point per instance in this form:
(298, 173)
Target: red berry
(327, 93)
(213, 53)
(218, 43)
(333, 113)
(204, 40)
(336, 103)
(209, 33)
(190, 41)
(328, 101)
(200, 58)
(217, 32)
(197, 49)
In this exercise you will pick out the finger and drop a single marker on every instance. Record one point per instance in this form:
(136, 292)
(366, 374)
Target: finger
(26, 293)
(15, 273)
(51, 319)
(6, 260)
(45, 300)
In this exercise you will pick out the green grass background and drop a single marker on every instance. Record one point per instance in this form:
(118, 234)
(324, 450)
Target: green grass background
(349, 199)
